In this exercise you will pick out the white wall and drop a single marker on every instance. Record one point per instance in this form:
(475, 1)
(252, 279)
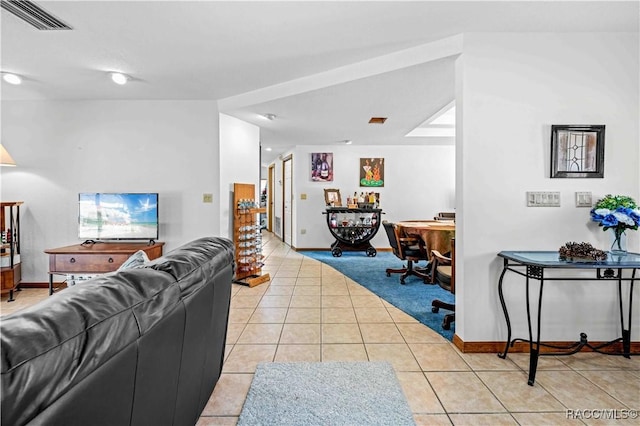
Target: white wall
(511, 89)
(239, 163)
(419, 181)
(63, 148)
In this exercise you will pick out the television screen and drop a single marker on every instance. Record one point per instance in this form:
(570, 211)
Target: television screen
(118, 216)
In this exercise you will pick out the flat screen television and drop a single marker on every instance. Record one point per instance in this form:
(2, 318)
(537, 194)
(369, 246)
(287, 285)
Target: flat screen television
(117, 216)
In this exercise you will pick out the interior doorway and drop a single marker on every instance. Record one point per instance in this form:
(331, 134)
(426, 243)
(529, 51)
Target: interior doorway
(287, 191)
(270, 180)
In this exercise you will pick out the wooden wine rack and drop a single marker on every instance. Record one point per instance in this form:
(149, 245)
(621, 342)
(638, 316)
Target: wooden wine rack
(246, 236)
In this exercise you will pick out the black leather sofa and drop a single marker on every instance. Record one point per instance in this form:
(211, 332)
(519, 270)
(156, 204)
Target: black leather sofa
(138, 346)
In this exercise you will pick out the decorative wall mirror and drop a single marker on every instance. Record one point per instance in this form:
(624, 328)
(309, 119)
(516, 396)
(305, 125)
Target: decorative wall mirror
(332, 197)
(577, 151)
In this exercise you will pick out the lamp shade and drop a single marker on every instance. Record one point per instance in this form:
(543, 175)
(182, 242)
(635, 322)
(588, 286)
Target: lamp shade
(5, 158)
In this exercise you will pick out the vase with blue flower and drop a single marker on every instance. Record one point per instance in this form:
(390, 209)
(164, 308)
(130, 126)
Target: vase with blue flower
(617, 213)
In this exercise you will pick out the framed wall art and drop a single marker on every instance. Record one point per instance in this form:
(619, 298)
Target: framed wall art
(372, 172)
(322, 167)
(332, 197)
(577, 151)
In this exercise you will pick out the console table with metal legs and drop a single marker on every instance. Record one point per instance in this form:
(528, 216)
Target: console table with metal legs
(533, 264)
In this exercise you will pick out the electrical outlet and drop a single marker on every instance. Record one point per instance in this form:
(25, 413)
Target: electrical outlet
(207, 198)
(543, 199)
(303, 231)
(584, 199)
(303, 196)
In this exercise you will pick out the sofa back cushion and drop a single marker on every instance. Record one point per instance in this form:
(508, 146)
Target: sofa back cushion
(195, 262)
(49, 348)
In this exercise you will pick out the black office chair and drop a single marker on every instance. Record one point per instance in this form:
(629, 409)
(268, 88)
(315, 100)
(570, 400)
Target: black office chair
(443, 271)
(405, 248)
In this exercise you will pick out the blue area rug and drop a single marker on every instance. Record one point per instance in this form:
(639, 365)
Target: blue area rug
(414, 297)
(325, 393)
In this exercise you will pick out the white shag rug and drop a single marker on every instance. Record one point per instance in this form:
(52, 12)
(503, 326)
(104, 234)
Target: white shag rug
(325, 393)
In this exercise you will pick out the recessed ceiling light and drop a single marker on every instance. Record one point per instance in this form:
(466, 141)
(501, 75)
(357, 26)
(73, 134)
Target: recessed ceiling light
(377, 120)
(267, 149)
(119, 78)
(347, 141)
(269, 116)
(11, 78)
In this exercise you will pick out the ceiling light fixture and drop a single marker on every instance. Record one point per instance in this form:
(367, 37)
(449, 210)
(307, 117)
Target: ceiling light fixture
(347, 141)
(269, 116)
(268, 149)
(11, 78)
(119, 78)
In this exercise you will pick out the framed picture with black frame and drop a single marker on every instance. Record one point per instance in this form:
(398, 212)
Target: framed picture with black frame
(577, 151)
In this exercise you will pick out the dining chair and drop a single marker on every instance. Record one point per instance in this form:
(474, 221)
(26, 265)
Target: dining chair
(443, 272)
(410, 249)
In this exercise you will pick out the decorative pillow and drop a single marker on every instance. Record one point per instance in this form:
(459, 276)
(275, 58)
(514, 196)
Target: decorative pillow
(136, 260)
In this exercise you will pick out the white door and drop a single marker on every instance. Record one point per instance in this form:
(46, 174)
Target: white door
(287, 167)
(272, 179)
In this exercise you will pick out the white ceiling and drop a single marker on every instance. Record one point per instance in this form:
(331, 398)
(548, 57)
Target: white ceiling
(324, 68)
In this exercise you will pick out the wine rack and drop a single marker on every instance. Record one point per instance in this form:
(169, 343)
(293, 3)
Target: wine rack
(247, 237)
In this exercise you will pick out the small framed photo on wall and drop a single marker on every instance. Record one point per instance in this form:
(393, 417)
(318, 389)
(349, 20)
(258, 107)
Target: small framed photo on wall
(577, 151)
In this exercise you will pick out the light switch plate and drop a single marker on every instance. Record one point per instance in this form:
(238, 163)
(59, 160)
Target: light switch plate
(584, 199)
(543, 199)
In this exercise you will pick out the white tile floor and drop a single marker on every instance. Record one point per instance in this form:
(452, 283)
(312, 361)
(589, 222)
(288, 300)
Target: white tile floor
(311, 312)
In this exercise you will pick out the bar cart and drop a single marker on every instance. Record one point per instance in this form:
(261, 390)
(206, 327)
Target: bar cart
(353, 229)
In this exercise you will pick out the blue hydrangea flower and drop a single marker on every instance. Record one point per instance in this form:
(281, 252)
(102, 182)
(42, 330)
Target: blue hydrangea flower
(609, 220)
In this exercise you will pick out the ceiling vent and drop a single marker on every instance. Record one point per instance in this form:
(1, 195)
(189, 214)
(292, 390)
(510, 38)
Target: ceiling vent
(34, 15)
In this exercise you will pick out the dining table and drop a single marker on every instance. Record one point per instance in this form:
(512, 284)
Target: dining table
(436, 234)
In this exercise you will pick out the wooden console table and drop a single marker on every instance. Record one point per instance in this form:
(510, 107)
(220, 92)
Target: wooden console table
(98, 257)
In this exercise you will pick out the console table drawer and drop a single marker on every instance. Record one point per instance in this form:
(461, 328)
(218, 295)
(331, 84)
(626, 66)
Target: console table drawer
(95, 258)
(88, 262)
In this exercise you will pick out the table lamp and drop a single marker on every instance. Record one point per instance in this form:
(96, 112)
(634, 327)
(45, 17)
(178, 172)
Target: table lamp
(5, 158)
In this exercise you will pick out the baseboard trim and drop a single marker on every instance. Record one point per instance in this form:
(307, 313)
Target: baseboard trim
(328, 249)
(497, 347)
(38, 284)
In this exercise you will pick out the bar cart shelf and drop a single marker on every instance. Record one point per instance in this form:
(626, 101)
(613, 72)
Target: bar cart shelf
(353, 229)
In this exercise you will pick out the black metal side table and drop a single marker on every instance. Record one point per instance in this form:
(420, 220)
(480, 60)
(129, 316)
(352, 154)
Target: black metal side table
(534, 264)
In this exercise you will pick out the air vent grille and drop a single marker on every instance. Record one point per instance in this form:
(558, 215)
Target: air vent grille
(34, 15)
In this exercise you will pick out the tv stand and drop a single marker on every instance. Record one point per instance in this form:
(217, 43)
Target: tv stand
(95, 258)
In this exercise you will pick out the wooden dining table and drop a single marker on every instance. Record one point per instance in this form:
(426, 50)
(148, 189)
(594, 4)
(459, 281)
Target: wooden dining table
(436, 234)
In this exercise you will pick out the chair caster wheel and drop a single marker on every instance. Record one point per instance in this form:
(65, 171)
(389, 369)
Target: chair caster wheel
(446, 325)
(435, 309)
(388, 274)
